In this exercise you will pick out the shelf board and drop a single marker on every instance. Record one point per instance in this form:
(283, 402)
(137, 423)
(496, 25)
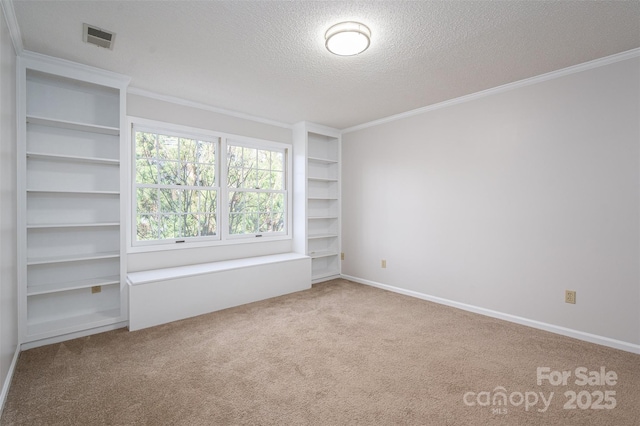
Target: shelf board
(321, 179)
(72, 158)
(322, 160)
(73, 125)
(322, 198)
(325, 274)
(72, 225)
(34, 290)
(70, 324)
(319, 236)
(321, 217)
(72, 258)
(73, 191)
(318, 254)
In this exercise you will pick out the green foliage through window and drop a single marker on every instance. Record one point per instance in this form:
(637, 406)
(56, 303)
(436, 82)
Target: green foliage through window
(177, 188)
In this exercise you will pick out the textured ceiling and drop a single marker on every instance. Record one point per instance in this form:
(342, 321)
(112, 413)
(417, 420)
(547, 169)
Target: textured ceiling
(267, 58)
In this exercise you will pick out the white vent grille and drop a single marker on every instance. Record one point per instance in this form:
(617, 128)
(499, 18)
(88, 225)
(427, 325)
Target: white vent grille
(97, 36)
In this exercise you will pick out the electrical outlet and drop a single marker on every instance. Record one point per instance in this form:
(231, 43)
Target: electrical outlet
(96, 289)
(341, 256)
(383, 263)
(570, 296)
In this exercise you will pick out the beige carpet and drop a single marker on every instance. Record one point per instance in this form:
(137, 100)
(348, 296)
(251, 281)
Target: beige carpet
(338, 354)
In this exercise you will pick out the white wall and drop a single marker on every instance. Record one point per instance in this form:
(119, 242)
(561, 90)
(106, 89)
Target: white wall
(8, 265)
(154, 109)
(505, 201)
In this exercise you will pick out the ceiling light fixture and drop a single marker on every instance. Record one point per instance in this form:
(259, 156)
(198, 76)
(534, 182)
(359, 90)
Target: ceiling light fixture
(347, 38)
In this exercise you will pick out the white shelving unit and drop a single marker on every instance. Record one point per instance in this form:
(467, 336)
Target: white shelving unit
(317, 182)
(71, 205)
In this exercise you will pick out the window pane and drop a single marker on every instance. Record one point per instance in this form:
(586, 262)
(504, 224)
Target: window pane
(235, 220)
(235, 202)
(277, 161)
(263, 178)
(277, 202)
(171, 201)
(206, 175)
(250, 178)
(262, 202)
(146, 171)
(190, 174)
(278, 222)
(243, 223)
(191, 225)
(168, 147)
(147, 200)
(169, 173)
(264, 159)
(256, 212)
(190, 201)
(171, 226)
(234, 177)
(147, 227)
(206, 152)
(185, 174)
(188, 150)
(208, 200)
(234, 156)
(243, 202)
(145, 145)
(249, 157)
(208, 224)
(277, 180)
(247, 223)
(264, 224)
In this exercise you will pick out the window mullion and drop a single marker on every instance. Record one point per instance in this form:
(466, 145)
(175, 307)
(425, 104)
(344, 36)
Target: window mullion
(223, 168)
(158, 213)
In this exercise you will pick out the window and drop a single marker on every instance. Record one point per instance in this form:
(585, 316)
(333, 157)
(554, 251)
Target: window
(257, 195)
(175, 187)
(191, 186)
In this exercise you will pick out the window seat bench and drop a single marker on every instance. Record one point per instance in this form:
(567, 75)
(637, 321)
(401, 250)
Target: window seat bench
(160, 296)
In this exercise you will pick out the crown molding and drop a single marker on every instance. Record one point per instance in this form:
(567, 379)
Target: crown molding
(206, 107)
(318, 128)
(70, 69)
(634, 53)
(12, 24)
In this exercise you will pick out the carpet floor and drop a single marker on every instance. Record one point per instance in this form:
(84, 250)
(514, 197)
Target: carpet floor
(338, 354)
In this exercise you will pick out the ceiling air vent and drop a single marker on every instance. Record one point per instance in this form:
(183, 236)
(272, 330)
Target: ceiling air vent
(97, 36)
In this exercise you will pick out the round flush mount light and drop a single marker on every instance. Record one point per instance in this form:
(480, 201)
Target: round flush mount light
(347, 38)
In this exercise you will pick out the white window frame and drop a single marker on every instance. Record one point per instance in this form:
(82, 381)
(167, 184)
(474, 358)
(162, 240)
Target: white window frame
(222, 236)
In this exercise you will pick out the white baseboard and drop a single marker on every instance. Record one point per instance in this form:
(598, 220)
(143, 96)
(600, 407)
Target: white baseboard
(7, 380)
(580, 335)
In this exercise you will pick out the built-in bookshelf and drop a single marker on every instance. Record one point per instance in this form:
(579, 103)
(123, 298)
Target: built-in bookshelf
(71, 215)
(318, 187)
